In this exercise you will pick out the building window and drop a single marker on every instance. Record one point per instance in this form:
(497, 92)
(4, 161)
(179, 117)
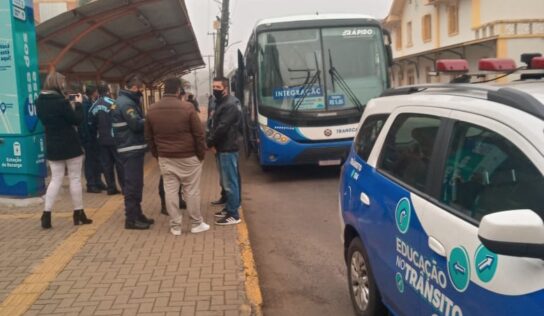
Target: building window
(411, 77)
(409, 34)
(453, 20)
(398, 38)
(426, 28)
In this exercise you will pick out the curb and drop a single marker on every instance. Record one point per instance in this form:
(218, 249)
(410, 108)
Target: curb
(252, 285)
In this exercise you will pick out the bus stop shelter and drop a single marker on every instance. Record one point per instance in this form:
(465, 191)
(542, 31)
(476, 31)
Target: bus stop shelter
(110, 40)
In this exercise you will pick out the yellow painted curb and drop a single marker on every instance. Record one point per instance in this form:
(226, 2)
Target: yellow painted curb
(33, 286)
(252, 285)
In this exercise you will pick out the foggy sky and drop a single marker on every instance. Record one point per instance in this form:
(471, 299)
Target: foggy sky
(245, 13)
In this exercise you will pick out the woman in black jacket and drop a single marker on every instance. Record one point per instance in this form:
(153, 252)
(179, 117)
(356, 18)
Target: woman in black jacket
(60, 118)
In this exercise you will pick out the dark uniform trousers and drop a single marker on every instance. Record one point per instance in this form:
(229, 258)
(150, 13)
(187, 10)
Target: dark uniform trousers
(133, 168)
(93, 169)
(110, 159)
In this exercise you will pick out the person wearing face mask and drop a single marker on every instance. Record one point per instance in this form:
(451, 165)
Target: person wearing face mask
(127, 120)
(222, 138)
(60, 117)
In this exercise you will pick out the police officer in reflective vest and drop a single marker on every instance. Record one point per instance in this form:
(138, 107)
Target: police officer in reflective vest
(128, 129)
(100, 120)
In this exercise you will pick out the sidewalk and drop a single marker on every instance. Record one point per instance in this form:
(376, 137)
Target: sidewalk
(103, 269)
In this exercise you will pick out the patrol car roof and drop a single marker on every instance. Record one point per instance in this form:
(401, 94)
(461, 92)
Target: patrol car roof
(533, 87)
(527, 96)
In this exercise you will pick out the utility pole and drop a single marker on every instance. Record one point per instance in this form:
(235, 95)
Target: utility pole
(210, 75)
(224, 31)
(196, 84)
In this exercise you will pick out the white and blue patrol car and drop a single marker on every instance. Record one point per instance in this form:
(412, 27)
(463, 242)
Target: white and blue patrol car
(442, 202)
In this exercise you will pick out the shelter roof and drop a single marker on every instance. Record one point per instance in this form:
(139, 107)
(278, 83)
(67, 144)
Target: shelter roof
(112, 39)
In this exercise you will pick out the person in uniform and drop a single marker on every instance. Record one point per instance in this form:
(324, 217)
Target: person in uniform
(128, 130)
(99, 117)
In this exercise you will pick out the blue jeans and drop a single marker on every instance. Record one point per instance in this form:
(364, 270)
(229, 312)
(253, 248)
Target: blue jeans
(228, 163)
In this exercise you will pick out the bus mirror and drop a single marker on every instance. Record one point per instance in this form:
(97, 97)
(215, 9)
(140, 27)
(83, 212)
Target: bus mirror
(388, 49)
(389, 53)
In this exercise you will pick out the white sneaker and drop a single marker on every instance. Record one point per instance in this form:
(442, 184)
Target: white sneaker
(200, 228)
(176, 231)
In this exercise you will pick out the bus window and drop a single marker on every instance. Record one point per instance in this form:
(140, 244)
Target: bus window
(290, 65)
(355, 65)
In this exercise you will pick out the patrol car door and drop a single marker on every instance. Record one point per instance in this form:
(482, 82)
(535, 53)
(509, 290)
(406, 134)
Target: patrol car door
(482, 172)
(400, 170)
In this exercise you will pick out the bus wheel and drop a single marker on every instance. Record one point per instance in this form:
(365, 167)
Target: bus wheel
(364, 293)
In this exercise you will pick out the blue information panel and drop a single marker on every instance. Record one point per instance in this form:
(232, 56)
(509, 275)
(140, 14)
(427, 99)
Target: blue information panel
(22, 156)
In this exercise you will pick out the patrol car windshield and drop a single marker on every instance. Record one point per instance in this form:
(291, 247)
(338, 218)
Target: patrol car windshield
(327, 69)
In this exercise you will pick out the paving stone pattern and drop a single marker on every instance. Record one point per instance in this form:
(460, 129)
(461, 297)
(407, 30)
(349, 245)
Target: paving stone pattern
(122, 272)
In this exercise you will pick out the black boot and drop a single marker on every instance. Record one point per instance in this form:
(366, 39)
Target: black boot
(182, 203)
(81, 218)
(163, 209)
(46, 220)
(142, 218)
(220, 201)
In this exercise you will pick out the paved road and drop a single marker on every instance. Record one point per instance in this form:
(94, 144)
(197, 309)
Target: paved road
(293, 221)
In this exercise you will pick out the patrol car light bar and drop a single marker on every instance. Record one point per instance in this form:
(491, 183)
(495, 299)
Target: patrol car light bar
(452, 65)
(497, 64)
(537, 63)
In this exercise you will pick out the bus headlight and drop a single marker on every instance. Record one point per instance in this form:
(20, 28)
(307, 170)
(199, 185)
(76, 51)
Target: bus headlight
(274, 135)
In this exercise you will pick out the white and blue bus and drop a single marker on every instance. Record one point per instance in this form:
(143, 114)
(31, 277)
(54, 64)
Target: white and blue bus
(304, 82)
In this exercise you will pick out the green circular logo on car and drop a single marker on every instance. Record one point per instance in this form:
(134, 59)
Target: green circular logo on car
(403, 213)
(459, 268)
(485, 263)
(400, 282)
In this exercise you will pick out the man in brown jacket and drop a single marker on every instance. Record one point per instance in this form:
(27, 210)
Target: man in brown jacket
(175, 135)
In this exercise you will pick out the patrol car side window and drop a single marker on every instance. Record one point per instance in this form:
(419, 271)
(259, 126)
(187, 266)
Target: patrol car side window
(365, 140)
(408, 148)
(486, 173)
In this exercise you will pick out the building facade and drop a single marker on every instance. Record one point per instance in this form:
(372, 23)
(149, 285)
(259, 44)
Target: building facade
(423, 31)
(46, 9)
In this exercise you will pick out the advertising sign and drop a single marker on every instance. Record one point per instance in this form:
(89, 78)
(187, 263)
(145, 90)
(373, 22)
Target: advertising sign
(22, 156)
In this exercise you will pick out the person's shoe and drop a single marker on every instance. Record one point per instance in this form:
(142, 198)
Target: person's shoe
(222, 200)
(163, 210)
(113, 191)
(222, 213)
(46, 220)
(182, 204)
(143, 218)
(94, 190)
(137, 224)
(81, 218)
(200, 228)
(176, 231)
(228, 220)
(102, 186)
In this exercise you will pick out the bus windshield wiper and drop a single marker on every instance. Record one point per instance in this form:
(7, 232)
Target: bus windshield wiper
(336, 76)
(308, 84)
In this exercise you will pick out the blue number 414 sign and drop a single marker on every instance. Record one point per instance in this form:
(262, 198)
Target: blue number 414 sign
(337, 100)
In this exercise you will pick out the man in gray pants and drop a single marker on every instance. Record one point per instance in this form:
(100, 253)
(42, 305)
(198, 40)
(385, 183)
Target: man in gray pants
(176, 136)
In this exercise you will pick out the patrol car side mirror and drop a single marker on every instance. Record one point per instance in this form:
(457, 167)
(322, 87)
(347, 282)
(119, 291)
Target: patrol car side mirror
(518, 233)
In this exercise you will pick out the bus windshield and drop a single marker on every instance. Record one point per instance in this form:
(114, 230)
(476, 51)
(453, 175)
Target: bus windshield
(328, 69)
